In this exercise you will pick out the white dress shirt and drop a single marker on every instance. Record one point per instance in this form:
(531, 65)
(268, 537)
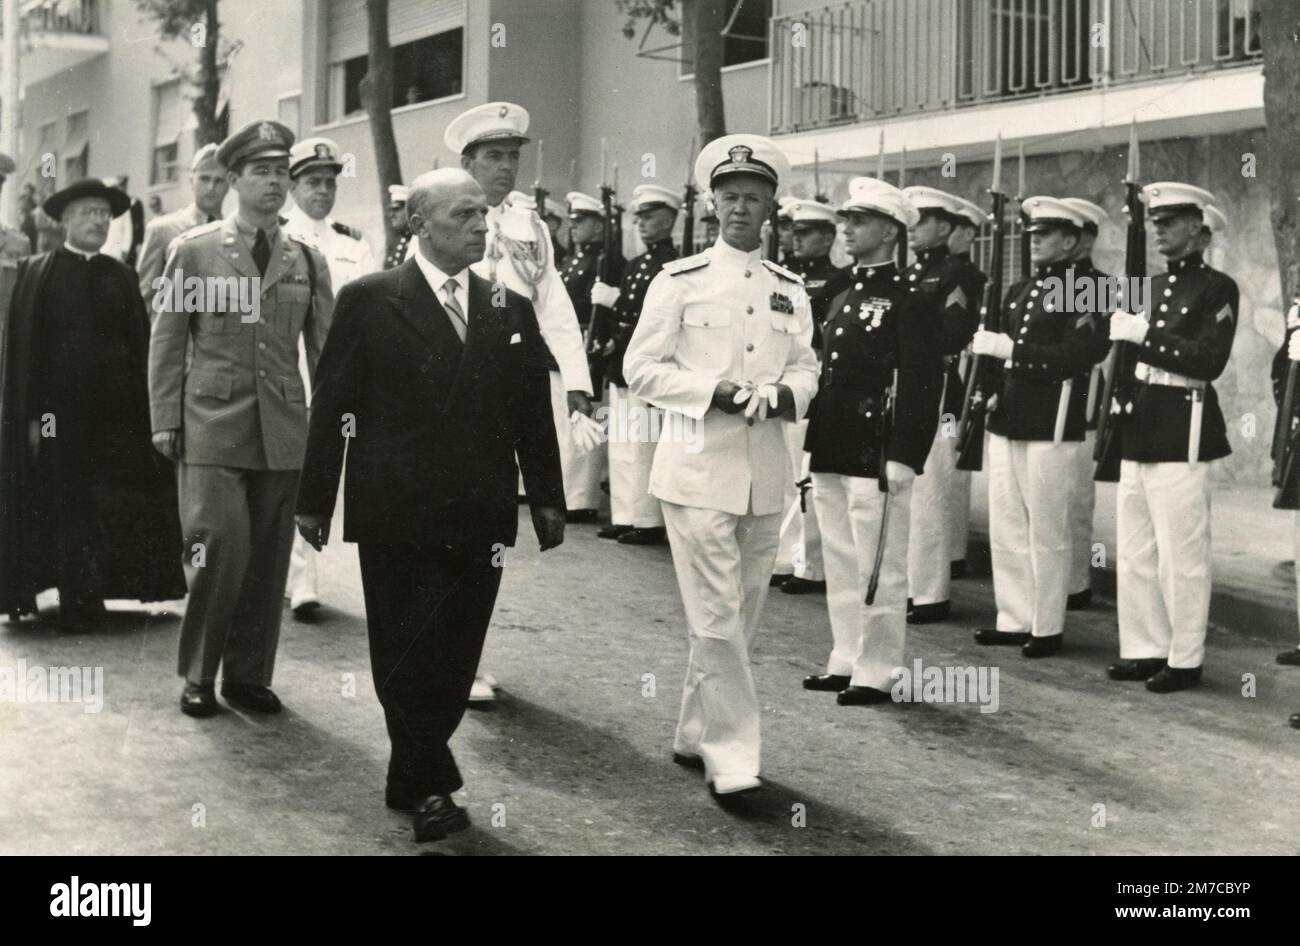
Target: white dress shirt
(347, 257)
(437, 280)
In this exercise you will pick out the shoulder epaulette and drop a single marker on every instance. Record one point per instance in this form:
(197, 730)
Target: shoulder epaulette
(676, 266)
(782, 271)
(347, 231)
(201, 229)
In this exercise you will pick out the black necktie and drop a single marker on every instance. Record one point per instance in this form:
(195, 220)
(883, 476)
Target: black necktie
(261, 252)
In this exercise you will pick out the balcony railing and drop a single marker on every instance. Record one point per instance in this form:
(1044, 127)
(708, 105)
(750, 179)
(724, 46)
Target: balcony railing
(869, 59)
(69, 17)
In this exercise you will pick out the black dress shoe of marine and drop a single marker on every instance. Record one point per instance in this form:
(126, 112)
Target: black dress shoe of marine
(957, 569)
(1043, 646)
(1143, 669)
(250, 696)
(612, 531)
(1079, 601)
(1294, 720)
(827, 682)
(862, 696)
(992, 637)
(794, 585)
(1172, 679)
(437, 817)
(929, 613)
(776, 581)
(1290, 658)
(655, 536)
(688, 761)
(199, 700)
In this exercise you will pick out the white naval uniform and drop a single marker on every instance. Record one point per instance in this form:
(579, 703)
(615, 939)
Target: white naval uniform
(348, 258)
(560, 331)
(800, 551)
(929, 563)
(1083, 502)
(958, 515)
(707, 318)
(632, 442)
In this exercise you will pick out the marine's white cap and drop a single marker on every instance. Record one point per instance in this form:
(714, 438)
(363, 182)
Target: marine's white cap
(1166, 198)
(490, 122)
(872, 195)
(649, 196)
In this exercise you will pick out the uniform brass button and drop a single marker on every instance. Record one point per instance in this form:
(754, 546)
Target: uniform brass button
(1169, 292)
(749, 347)
(1023, 331)
(749, 310)
(839, 331)
(1160, 323)
(1173, 278)
(1165, 308)
(858, 287)
(834, 355)
(262, 345)
(746, 274)
(261, 374)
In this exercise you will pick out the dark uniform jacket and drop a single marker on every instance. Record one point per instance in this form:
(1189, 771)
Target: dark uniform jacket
(640, 271)
(875, 326)
(398, 254)
(579, 274)
(1086, 269)
(952, 287)
(1050, 347)
(823, 281)
(1193, 321)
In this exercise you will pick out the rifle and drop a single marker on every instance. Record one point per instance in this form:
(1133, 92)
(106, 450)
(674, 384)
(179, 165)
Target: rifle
(901, 248)
(1117, 397)
(688, 205)
(983, 374)
(601, 330)
(1286, 438)
(540, 193)
(1022, 194)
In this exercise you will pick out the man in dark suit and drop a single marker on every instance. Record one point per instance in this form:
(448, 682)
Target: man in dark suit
(434, 380)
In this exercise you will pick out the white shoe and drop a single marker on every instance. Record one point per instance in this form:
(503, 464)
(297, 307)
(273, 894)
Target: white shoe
(304, 604)
(488, 679)
(480, 692)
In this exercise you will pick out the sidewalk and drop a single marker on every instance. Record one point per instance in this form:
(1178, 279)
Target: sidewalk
(1254, 584)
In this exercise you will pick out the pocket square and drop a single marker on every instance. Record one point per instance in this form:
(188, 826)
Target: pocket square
(515, 339)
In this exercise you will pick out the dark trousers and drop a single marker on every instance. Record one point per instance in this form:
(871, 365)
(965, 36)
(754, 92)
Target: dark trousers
(427, 610)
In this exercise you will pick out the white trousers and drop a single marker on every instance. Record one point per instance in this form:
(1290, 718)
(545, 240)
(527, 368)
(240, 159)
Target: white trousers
(868, 640)
(632, 423)
(581, 471)
(1295, 540)
(1163, 568)
(723, 563)
(929, 563)
(302, 584)
(1029, 531)
(958, 514)
(1083, 502)
(800, 551)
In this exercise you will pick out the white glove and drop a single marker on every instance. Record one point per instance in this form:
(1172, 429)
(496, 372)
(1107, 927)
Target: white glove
(1293, 315)
(1293, 347)
(602, 294)
(760, 398)
(1126, 327)
(587, 433)
(898, 475)
(997, 344)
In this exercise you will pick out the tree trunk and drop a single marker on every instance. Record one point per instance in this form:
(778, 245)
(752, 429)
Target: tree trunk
(709, 18)
(377, 96)
(1280, 35)
(205, 103)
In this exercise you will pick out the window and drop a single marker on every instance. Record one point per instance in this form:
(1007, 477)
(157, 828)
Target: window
(76, 149)
(427, 38)
(746, 34)
(169, 108)
(423, 70)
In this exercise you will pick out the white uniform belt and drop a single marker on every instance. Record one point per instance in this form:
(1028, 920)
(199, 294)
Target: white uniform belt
(1150, 375)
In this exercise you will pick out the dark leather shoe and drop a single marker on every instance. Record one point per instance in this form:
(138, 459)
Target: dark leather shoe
(1143, 669)
(688, 761)
(776, 581)
(993, 638)
(656, 536)
(250, 696)
(1294, 720)
(580, 515)
(929, 613)
(862, 696)
(957, 569)
(795, 585)
(1079, 601)
(437, 817)
(1043, 646)
(827, 682)
(1172, 679)
(1290, 658)
(612, 531)
(199, 700)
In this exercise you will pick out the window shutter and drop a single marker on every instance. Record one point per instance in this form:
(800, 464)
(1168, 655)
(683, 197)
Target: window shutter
(407, 20)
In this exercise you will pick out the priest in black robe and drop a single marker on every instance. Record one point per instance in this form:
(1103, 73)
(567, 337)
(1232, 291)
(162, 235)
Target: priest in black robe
(86, 504)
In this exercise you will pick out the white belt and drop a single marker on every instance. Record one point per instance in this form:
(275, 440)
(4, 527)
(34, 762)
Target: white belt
(1151, 375)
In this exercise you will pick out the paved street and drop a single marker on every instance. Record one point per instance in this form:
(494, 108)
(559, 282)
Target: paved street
(589, 647)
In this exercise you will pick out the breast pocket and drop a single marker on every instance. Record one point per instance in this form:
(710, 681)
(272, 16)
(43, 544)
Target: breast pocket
(291, 301)
(706, 336)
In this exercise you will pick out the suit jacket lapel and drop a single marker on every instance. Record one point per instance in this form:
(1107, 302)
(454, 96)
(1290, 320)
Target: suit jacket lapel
(423, 312)
(282, 252)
